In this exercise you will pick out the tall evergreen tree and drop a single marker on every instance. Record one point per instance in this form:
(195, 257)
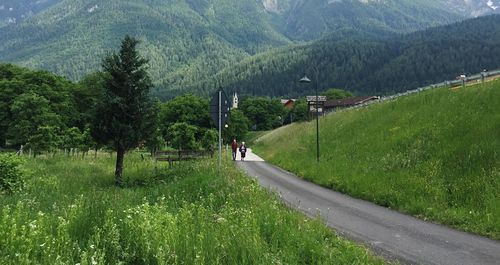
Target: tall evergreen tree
(124, 115)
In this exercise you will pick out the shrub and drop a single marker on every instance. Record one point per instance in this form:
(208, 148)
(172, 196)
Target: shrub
(11, 175)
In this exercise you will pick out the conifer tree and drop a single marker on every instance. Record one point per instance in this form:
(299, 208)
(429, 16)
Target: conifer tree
(124, 115)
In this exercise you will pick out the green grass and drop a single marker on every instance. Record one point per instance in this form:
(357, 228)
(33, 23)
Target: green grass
(252, 136)
(435, 155)
(70, 212)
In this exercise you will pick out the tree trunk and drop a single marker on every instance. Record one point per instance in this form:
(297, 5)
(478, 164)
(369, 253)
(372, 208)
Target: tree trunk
(120, 154)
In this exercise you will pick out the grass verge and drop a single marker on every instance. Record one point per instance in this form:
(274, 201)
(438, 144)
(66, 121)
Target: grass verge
(434, 155)
(71, 213)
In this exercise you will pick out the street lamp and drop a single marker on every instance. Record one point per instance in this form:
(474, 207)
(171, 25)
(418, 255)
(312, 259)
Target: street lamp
(307, 80)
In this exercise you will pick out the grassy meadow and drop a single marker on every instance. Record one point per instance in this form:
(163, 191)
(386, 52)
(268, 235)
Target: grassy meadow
(70, 212)
(435, 155)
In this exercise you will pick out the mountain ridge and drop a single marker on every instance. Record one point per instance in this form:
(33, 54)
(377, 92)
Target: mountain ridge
(192, 40)
(367, 65)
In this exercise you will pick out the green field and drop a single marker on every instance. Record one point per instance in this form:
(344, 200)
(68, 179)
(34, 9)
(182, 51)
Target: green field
(435, 155)
(70, 212)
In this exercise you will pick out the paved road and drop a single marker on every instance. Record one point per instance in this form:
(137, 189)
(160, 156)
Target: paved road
(389, 233)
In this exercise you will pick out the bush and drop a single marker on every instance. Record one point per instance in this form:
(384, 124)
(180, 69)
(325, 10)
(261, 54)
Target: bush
(11, 176)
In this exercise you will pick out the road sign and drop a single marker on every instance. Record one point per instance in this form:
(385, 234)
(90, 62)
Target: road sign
(312, 108)
(224, 108)
(313, 99)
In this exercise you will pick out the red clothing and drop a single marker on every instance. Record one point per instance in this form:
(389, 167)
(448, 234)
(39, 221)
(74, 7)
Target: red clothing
(234, 146)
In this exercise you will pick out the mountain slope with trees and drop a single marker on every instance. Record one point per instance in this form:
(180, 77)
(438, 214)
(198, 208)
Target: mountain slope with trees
(190, 40)
(366, 63)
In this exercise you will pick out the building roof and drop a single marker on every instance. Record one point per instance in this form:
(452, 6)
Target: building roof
(286, 101)
(348, 102)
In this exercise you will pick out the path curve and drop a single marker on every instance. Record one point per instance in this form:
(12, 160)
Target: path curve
(389, 233)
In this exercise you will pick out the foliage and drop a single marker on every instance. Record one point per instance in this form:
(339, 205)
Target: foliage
(263, 113)
(45, 138)
(186, 108)
(72, 138)
(30, 112)
(299, 112)
(209, 139)
(11, 175)
(155, 142)
(29, 99)
(433, 155)
(70, 212)
(125, 114)
(181, 136)
(366, 64)
(86, 95)
(202, 36)
(336, 93)
(238, 125)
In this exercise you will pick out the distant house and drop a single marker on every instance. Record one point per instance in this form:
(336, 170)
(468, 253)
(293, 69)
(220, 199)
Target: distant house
(332, 105)
(288, 103)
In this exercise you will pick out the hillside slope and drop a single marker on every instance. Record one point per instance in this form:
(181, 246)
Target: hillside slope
(191, 40)
(364, 63)
(433, 155)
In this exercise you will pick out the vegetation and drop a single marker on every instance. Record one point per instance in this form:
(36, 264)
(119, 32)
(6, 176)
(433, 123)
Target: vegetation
(124, 116)
(433, 155)
(11, 175)
(29, 99)
(263, 113)
(335, 93)
(366, 64)
(190, 40)
(71, 213)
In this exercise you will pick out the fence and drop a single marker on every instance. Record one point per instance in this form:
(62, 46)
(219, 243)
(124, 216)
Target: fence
(449, 83)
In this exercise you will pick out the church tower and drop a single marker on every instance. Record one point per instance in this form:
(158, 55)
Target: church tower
(235, 101)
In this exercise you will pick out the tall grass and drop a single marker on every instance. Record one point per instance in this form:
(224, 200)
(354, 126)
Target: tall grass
(71, 213)
(435, 155)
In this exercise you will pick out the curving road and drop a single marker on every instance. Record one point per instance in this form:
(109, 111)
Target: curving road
(389, 233)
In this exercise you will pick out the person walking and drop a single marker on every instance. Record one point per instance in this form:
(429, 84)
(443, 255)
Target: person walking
(234, 148)
(243, 151)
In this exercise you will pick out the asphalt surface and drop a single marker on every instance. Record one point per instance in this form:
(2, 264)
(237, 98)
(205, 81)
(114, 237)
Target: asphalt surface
(389, 233)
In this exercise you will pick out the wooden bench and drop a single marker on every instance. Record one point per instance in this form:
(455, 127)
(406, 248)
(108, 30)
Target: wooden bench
(181, 155)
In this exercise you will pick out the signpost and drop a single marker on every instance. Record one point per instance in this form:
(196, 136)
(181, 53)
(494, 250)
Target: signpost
(314, 103)
(219, 111)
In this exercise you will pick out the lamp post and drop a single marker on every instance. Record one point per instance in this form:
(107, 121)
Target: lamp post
(307, 80)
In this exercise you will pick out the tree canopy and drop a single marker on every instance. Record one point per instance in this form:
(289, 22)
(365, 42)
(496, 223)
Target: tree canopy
(125, 114)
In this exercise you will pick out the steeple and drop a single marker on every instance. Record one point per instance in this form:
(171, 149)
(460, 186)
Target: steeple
(235, 101)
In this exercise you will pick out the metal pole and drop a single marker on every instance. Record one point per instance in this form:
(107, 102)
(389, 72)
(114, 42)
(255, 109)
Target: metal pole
(220, 130)
(317, 118)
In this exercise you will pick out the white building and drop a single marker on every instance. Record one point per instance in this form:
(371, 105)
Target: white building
(235, 101)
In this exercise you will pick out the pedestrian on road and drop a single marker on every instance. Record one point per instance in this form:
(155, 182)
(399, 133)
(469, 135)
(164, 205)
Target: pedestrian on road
(234, 147)
(243, 151)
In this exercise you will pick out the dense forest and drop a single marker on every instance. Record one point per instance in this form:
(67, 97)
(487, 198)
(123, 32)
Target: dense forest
(366, 63)
(191, 40)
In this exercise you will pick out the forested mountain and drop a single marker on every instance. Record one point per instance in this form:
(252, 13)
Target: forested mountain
(475, 8)
(15, 11)
(191, 40)
(367, 64)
